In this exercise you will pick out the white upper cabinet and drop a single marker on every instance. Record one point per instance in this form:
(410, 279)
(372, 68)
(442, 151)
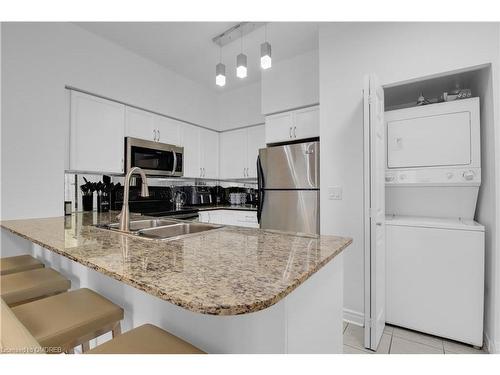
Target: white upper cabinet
(209, 145)
(149, 126)
(233, 154)
(96, 134)
(201, 151)
(167, 129)
(306, 123)
(256, 139)
(293, 125)
(191, 143)
(139, 124)
(239, 150)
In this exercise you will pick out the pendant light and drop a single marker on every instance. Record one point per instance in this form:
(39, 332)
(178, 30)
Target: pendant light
(265, 53)
(241, 62)
(220, 72)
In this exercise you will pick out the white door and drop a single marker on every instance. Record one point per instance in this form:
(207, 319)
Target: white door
(96, 134)
(279, 127)
(306, 123)
(256, 139)
(209, 141)
(190, 140)
(167, 129)
(139, 124)
(233, 154)
(374, 167)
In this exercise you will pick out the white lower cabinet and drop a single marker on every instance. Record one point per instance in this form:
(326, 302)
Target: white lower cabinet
(239, 150)
(96, 134)
(230, 217)
(293, 125)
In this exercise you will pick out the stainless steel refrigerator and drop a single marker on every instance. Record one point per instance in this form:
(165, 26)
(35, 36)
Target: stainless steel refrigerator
(288, 186)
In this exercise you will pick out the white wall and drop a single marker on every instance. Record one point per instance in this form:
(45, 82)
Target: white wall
(240, 107)
(38, 60)
(291, 83)
(395, 52)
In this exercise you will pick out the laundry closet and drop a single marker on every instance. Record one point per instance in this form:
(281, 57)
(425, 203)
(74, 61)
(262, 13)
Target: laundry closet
(435, 240)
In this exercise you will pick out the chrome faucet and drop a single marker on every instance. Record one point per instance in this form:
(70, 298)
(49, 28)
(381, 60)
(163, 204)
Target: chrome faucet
(125, 214)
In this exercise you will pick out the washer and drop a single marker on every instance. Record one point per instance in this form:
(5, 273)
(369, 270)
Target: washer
(435, 276)
(434, 249)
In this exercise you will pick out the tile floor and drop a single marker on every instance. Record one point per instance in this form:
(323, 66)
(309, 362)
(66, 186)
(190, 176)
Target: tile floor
(397, 340)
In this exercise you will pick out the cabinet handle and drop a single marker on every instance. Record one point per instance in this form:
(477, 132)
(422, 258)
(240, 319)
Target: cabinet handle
(154, 135)
(294, 133)
(204, 172)
(122, 164)
(201, 172)
(290, 132)
(159, 134)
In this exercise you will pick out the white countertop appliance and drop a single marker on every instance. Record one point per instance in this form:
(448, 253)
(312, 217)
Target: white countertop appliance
(435, 251)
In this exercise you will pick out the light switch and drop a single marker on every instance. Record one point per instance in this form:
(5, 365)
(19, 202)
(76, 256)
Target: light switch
(334, 193)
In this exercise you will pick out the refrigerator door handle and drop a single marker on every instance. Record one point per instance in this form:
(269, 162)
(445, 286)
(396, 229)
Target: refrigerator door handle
(260, 189)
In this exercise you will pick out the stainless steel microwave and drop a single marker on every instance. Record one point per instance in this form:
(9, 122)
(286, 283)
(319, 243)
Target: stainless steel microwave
(156, 159)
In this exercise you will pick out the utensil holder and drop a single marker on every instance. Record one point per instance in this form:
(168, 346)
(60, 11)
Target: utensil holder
(88, 201)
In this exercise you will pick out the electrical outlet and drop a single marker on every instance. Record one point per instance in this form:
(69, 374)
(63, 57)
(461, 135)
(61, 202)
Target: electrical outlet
(335, 193)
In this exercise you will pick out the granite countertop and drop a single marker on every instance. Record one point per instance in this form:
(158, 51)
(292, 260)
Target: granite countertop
(242, 207)
(226, 271)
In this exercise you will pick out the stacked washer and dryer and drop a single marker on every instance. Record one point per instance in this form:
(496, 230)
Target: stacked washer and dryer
(435, 249)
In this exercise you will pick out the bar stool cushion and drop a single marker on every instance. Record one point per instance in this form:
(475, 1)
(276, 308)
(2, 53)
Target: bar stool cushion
(19, 263)
(14, 337)
(64, 319)
(21, 287)
(146, 339)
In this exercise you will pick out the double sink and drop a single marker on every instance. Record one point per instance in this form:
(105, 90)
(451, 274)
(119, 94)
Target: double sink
(161, 229)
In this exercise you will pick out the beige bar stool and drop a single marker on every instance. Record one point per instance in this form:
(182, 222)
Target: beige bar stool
(22, 287)
(64, 321)
(19, 263)
(146, 339)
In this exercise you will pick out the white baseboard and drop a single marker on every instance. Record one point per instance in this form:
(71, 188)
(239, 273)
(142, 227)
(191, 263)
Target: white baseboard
(354, 317)
(491, 346)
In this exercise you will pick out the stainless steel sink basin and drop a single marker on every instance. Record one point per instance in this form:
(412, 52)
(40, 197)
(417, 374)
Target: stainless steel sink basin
(137, 225)
(179, 229)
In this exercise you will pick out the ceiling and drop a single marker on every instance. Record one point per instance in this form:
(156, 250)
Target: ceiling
(187, 47)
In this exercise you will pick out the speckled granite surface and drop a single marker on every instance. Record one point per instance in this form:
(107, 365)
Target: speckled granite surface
(227, 271)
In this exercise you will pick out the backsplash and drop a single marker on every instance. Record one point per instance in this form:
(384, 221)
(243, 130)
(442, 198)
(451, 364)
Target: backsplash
(73, 181)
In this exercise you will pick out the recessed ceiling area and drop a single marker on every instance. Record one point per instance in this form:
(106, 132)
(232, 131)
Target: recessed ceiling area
(187, 47)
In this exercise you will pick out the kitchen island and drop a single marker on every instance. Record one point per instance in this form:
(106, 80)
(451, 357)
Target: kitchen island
(227, 290)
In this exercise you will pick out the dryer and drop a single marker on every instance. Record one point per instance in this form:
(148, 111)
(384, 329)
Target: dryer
(435, 251)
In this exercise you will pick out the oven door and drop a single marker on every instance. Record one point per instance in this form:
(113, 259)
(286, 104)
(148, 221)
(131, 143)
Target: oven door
(156, 159)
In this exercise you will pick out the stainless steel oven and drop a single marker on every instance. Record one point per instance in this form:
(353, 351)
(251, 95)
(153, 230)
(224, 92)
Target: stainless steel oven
(156, 159)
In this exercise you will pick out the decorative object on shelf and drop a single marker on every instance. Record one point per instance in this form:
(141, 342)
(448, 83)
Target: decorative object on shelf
(422, 100)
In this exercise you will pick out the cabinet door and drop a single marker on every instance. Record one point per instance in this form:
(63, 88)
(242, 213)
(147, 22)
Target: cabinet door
(190, 140)
(255, 140)
(279, 127)
(96, 134)
(209, 142)
(167, 129)
(306, 123)
(139, 124)
(233, 154)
